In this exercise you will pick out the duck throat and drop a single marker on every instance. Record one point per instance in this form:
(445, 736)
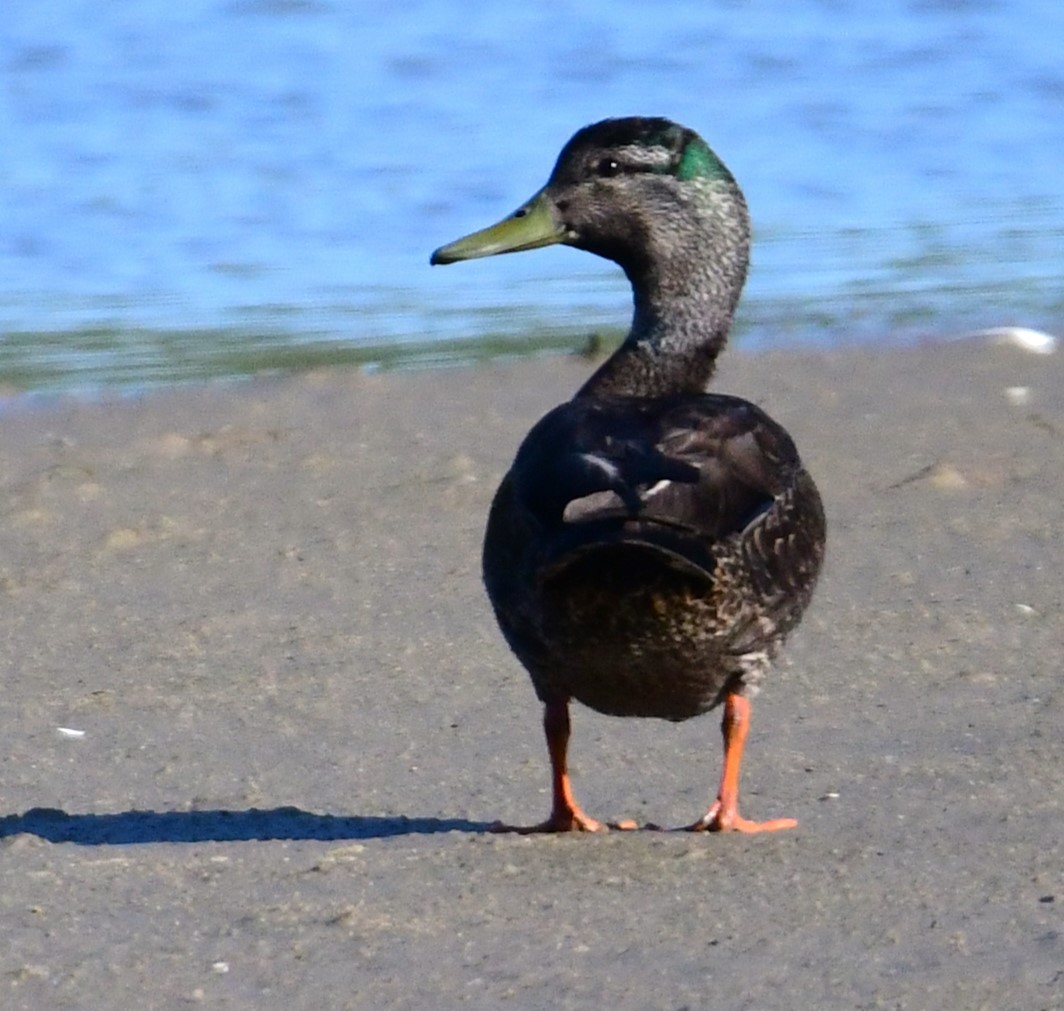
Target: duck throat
(676, 336)
(687, 273)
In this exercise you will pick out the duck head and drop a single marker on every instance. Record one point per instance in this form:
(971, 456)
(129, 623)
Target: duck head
(638, 191)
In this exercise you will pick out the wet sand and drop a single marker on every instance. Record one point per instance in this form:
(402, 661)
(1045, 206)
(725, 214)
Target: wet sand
(288, 718)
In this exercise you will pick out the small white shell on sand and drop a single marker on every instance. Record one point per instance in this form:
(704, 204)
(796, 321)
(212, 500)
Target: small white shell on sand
(1018, 395)
(69, 732)
(1021, 337)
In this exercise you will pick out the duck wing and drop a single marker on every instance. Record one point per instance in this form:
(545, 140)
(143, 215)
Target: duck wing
(677, 476)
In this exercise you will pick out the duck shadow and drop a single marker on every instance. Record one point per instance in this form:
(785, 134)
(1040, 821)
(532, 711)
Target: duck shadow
(251, 825)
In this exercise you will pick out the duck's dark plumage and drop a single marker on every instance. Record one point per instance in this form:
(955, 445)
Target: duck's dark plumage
(652, 544)
(645, 522)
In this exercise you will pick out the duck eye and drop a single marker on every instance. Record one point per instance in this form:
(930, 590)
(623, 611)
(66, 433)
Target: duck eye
(607, 168)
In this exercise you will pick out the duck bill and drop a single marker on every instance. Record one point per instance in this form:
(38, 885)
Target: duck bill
(532, 225)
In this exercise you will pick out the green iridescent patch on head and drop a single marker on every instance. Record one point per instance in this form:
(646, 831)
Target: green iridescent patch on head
(699, 162)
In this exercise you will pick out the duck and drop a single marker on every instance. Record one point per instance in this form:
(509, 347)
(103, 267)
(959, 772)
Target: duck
(653, 543)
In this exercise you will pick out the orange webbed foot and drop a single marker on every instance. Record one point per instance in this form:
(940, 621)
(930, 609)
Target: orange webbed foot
(566, 815)
(723, 815)
(567, 821)
(717, 819)
(560, 821)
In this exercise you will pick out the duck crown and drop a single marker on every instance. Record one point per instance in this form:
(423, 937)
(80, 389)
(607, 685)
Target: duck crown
(636, 144)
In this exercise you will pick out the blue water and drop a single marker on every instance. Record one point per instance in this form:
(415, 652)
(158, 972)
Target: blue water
(179, 180)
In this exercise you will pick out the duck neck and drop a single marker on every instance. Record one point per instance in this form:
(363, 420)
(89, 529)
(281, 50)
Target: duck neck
(678, 329)
(686, 279)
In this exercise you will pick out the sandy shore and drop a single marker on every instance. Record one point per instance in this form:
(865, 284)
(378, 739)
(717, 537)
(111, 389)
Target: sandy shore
(259, 608)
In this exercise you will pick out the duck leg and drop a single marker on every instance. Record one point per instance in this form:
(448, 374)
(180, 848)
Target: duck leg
(565, 815)
(724, 815)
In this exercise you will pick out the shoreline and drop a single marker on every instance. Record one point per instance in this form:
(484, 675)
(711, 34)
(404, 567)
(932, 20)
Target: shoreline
(405, 357)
